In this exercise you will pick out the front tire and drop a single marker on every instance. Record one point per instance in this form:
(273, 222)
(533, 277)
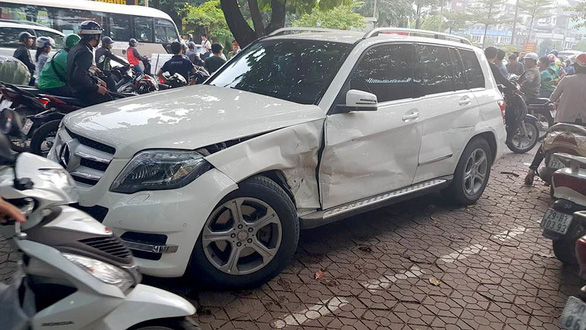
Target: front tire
(472, 173)
(44, 137)
(248, 238)
(520, 144)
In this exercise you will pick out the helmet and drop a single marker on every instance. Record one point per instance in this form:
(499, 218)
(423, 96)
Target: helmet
(191, 45)
(175, 80)
(132, 42)
(70, 41)
(45, 41)
(89, 29)
(24, 36)
(107, 41)
(551, 58)
(531, 56)
(184, 46)
(581, 60)
(554, 52)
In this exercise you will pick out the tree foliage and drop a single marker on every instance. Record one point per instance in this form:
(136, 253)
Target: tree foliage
(581, 46)
(174, 8)
(341, 17)
(388, 12)
(536, 9)
(207, 18)
(455, 20)
(487, 14)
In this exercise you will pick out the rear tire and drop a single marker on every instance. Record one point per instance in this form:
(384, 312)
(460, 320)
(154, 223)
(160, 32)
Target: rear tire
(472, 173)
(41, 141)
(532, 131)
(167, 324)
(565, 248)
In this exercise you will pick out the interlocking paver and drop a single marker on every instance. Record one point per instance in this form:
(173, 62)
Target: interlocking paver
(494, 268)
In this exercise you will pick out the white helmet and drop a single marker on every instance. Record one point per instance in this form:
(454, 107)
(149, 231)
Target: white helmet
(532, 56)
(45, 41)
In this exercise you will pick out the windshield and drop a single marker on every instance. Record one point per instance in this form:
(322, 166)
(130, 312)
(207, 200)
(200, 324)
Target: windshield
(292, 70)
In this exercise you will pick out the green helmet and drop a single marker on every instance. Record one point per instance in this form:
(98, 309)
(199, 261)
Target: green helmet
(70, 41)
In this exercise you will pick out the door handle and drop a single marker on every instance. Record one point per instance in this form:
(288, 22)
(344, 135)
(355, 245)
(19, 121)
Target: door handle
(411, 116)
(464, 101)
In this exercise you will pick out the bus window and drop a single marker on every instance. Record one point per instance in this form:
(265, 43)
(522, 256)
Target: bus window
(36, 14)
(164, 31)
(68, 20)
(120, 27)
(143, 29)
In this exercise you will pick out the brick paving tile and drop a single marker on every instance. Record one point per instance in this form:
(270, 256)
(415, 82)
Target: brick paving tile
(491, 267)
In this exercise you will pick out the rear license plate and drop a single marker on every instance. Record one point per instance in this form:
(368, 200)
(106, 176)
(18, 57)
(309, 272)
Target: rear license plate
(555, 163)
(574, 314)
(27, 126)
(556, 221)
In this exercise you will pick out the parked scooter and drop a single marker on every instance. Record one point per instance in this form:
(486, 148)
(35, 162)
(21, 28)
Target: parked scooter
(560, 223)
(574, 314)
(544, 110)
(74, 274)
(561, 138)
(522, 128)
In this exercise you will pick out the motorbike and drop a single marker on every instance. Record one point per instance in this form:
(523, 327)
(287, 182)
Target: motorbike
(75, 273)
(522, 127)
(544, 110)
(561, 138)
(574, 313)
(561, 223)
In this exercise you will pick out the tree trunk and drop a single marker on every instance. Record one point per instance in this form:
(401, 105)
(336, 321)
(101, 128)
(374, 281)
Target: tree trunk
(256, 17)
(278, 12)
(418, 19)
(515, 23)
(529, 30)
(242, 32)
(486, 26)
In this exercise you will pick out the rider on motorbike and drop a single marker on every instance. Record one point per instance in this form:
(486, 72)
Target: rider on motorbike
(530, 81)
(133, 56)
(80, 59)
(24, 55)
(54, 78)
(571, 97)
(103, 58)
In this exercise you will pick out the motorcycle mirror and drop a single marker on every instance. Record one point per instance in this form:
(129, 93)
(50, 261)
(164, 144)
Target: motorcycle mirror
(10, 122)
(7, 157)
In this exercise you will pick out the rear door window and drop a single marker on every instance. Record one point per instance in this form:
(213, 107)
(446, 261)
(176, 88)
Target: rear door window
(472, 68)
(386, 71)
(9, 36)
(459, 74)
(435, 69)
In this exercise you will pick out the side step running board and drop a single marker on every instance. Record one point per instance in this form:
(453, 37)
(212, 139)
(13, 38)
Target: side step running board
(324, 217)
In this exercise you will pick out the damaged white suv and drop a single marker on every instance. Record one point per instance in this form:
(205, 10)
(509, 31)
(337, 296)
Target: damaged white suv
(298, 130)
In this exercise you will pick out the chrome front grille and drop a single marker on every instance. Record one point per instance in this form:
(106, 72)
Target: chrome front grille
(85, 159)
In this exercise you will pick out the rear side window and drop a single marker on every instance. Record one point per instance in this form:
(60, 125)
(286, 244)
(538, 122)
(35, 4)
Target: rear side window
(386, 71)
(472, 69)
(120, 27)
(9, 37)
(459, 76)
(435, 69)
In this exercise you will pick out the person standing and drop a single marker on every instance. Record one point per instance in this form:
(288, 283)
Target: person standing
(213, 63)
(515, 67)
(23, 54)
(500, 62)
(178, 64)
(54, 78)
(206, 45)
(80, 59)
(134, 56)
(44, 47)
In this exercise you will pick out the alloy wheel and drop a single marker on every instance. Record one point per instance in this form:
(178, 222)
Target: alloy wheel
(475, 172)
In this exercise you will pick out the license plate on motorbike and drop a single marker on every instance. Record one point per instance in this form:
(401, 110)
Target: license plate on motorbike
(556, 221)
(27, 126)
(574, 314)
(555, 163)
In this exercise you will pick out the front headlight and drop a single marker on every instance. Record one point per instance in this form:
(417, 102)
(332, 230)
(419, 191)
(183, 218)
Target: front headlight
(104, 272)
(160, 169)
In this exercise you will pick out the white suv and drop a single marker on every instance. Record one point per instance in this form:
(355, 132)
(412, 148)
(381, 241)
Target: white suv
(297, 131)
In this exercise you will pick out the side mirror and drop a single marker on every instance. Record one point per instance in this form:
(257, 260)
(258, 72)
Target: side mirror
(359, 101)
(10, 122)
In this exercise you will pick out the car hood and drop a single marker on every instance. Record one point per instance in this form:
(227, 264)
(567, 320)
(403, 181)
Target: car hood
(185, 118)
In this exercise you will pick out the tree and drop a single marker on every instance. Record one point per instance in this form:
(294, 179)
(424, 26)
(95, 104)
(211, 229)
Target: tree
(173, 8)
(388, 12)
(536, 9)
(581, 46)
(207, 18)
(419, 5)
(487, 14)
(243, 32)
(341, 17)
(455, 20)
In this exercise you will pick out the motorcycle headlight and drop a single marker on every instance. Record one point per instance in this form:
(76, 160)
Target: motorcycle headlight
(104, 272)
(160, 169)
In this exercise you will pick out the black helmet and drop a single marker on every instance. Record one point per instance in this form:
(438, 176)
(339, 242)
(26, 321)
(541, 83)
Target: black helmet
(24, 36)
(90, 30)
(132, 42)
(107, 41)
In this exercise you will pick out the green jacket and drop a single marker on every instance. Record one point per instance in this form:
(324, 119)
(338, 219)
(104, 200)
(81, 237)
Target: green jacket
(48, 78)
(547, 81)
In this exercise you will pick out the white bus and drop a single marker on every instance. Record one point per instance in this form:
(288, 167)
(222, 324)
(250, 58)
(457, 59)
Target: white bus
(153, 29)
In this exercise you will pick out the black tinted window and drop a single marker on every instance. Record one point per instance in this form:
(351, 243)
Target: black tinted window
(459, 75)
(9, 37)
(143, 29)
(120, 27)
(293, 70)
(435, 68)
(386, 71)
(472, 69)
(165, 31)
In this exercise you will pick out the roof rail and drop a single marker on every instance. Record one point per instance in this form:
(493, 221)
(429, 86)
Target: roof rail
(291, 30)
(416, 33)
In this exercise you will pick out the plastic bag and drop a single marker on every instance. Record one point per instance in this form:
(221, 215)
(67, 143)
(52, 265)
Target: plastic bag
(13, 71)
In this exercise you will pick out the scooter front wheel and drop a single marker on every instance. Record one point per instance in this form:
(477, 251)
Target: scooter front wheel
(521, 143)
(182, 323)
(44, 137)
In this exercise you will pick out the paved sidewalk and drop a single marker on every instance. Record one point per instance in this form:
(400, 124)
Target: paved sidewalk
(417, 265)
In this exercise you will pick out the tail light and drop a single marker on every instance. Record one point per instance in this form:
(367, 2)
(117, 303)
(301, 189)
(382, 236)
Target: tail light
(51, 99)
(502, 106)
(581, 255)
(44, 101)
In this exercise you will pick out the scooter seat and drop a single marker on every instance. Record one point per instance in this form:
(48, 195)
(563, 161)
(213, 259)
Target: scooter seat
(538, 101)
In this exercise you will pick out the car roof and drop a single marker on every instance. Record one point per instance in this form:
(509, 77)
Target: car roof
(4, 24)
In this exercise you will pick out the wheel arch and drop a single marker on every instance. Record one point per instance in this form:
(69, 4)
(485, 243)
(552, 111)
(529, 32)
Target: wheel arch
(491, 139)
